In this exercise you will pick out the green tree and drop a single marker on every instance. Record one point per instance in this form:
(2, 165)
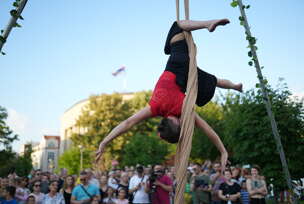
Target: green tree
(139, 101)
(249, 137)
(99, 117)
(71, 160)
(144, 149)
(6, 134)
(12, 162)
(202, 147)
(8, 159)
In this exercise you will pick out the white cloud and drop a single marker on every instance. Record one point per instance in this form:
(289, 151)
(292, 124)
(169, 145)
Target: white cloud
(27, 128)
(298, 95)
(17, 121)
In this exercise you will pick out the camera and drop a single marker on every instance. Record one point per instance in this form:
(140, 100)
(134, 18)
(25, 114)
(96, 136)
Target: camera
(152, 180)
(153, 177)
(200, 183)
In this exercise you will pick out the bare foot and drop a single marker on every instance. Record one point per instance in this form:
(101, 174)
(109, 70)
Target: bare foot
(239, 87)
(216, 23)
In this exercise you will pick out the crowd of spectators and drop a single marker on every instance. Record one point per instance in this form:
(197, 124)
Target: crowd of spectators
(206, 184)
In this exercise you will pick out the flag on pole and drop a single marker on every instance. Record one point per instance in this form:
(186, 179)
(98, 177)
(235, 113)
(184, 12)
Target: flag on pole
(118, 71)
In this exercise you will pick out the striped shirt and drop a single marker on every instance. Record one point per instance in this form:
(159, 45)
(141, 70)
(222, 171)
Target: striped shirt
(245, 197)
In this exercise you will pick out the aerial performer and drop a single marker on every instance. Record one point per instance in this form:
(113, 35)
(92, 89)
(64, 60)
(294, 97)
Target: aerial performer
(169, 92)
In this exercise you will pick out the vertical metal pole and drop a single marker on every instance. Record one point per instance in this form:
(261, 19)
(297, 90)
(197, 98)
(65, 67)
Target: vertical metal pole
(12, 23)
(266, 100)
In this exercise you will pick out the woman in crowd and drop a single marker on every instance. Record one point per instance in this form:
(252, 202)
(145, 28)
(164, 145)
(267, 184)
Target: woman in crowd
(68, 185)
(37, 192)
(124, 183)
(229, 191)
(256, 187)
(21, 191)
(31, 199)
(121, 198)
(53, 197)
(103, 186)
(110, 199)
(236, 175)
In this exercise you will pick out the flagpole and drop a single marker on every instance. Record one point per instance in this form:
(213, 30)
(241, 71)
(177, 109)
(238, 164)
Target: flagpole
(124, 85)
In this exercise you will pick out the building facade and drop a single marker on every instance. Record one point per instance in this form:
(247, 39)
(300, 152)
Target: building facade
(46, 153)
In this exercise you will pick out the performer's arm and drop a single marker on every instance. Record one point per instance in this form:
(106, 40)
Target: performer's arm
(215, 139)
(124, 127)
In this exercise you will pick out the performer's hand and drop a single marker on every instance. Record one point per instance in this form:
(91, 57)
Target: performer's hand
(100, 151)
(224, 160)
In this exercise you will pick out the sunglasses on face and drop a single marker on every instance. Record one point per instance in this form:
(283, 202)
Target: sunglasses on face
(37, 185)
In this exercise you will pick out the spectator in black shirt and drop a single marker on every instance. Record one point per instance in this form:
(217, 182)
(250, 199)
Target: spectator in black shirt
(229, 191)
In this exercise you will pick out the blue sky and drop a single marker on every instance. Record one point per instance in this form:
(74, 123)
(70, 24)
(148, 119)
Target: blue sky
(66, 51)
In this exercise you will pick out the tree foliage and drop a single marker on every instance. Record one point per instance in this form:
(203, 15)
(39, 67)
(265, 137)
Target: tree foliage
(102, 114)
(6, 134)
(248, 132)
(202, 147)
(12, 162)
(144, 149)
(71, 160)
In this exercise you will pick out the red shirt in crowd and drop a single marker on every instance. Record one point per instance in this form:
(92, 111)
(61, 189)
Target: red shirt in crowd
(167, 98)
(162, 196)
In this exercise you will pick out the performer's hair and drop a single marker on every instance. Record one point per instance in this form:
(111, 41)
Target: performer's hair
(168, 130)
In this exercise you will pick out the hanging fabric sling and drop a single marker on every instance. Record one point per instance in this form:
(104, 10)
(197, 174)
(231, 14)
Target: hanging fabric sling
(188, 115)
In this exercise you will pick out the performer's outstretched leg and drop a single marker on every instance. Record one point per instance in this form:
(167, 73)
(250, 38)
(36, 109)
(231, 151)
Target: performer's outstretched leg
(189, 25)
(226, 84)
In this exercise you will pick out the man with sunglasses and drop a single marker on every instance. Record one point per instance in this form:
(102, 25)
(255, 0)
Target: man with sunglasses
(84, 192)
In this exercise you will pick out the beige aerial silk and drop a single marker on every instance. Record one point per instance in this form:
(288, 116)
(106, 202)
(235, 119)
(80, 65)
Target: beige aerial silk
(188, 115)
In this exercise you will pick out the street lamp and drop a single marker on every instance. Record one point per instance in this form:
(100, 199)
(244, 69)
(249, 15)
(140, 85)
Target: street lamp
(81, 156)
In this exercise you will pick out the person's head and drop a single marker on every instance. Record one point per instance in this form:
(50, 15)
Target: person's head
(103, 180)
(95, 200)
(44, 178)
(53, 186)
(4, 182)
(31, 199)
(169, 129)
(83, 177)
(117, 174)
(38, 175)
(69, 182)
(37, 187)
(122, 193)
(9, 192)
(217, 167)
(158, 170)
(197, 169)
(228, 174)
(255, 170)
(236, 173)
(130, 173)
(140, 170)
(110, 191)
(19, 182)
(54, 177)
(124, 177)
(243, 185)
(89, 173)
(206, 171)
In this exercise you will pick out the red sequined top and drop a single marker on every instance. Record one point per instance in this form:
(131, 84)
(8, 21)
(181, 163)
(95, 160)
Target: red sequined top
(167, 98)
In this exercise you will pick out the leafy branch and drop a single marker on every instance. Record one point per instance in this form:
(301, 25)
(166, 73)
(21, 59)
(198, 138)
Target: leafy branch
(15, 15)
